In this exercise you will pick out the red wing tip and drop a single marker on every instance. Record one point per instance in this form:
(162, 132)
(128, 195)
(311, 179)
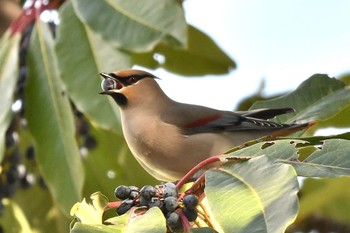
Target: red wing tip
(292, 129)
(310, 124)
(202, 121)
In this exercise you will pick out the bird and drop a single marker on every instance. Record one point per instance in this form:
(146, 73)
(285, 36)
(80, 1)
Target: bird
(168, 138)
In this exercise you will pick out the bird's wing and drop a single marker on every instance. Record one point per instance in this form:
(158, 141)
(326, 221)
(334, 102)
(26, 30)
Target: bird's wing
(215, 121)
(229, 122)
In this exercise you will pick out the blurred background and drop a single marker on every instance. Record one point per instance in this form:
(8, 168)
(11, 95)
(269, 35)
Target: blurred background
(268, 48)
(276, 45)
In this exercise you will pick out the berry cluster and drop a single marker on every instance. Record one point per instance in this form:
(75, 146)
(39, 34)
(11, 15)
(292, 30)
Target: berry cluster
(166, 197)
(85, 139)
(17, 168)
(18, 165)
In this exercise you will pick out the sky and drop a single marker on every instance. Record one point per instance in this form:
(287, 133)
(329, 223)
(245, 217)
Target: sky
(280, 42)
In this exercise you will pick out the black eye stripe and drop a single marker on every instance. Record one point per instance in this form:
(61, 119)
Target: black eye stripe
(129, 80)
(113, 75)
(137, 76)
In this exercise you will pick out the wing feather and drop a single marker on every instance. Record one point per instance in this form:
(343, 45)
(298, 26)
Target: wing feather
(207, 120)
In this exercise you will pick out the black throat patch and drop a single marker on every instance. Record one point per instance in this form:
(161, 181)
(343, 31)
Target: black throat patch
(120, 99)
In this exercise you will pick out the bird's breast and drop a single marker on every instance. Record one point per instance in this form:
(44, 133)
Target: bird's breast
(164, 151)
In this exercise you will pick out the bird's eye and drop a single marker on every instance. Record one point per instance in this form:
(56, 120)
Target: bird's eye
(108, 84)
(132, 80)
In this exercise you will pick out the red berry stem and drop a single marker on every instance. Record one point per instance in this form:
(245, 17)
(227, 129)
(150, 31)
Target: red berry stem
(112, 205)
(198, 167)
(185, 223)
(198, 186)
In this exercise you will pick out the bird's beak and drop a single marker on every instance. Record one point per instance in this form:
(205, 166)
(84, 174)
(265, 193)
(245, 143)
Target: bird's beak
(110, 84)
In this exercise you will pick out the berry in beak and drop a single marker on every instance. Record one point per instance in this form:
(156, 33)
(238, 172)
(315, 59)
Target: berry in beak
(110, 83)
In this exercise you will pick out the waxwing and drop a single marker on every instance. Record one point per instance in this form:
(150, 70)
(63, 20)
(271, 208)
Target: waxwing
(168, 138)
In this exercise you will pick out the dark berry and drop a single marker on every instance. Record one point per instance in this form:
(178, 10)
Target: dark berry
(190, 201)
(52, 27)
(125, 206)
(10, 190)
(171, 203)
(28, 180)
(90, 142)
(134, 195)
(122, 192)
(15, 157)
(143, 201)
(23, 72)
(135, 192)
(155, 202)
(10, 139)
(42, 182)
(83, 127)
(173, 220)
(134, 188)
(30, 153)
(191, 214)
(77, 113)
(12, 175)
(169, 189)
(2, 210)
(148, 191)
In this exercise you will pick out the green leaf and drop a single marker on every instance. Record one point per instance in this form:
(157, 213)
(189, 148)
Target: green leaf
(328, 158)
(319, 97)
(283, 150)
(202, 56)
(203, 230)
(81, 56)
(83, 228)
(36, 208)
(325, 197)
(331, 160)
(134, 25)
(50, 121)
(317, 140)
(121, 220)
(253, 196)
(340, 120)
(90, 213)
(152, 221)
(345, 78)
(15, 215)
(8, 80)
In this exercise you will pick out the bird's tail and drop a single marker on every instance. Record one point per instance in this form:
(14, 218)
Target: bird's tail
(292, 129)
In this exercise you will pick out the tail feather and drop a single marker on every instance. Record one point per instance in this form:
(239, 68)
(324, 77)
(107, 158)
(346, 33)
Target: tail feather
(266, 113)
(292, 129)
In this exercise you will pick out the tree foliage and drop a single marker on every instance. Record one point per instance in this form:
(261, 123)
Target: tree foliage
(60, 141)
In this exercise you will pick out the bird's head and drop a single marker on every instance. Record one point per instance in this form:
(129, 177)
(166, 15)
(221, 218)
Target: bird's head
(129, 85)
